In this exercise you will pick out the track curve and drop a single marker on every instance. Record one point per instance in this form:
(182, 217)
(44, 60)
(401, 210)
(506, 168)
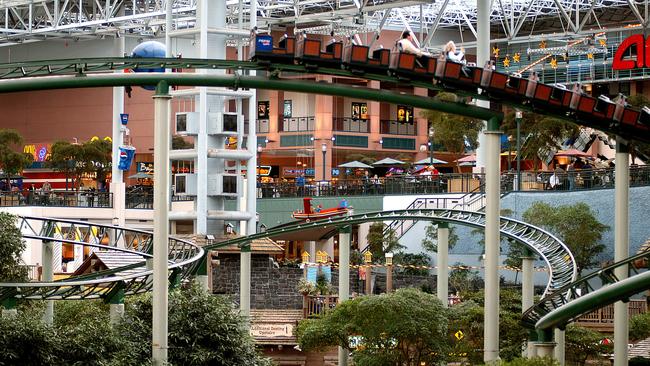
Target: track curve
(560, 261)
(133, 278)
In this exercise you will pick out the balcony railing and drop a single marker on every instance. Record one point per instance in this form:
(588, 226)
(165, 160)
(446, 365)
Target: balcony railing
(298, 124)
(317, 304)
(390, 127)
(453, 183)
(605, 315)
(347, 124)
(57, 199)
(144, 200)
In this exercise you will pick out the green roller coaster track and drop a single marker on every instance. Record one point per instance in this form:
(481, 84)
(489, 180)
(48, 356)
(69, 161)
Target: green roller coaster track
(38, 73)
(554, 310)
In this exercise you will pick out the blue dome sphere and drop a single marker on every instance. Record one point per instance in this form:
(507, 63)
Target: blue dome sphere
(149, 49)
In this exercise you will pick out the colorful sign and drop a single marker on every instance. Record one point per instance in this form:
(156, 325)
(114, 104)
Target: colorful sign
(632, 46)
(38, 151)
(404, 113)
(144, 167)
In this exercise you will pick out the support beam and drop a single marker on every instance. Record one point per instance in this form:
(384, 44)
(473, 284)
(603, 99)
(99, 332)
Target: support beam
(492, 242)
(344, 279)
(160, 223)
(566, 16)
(442, 271)
(48, 276)
(621, 248)
(436, 22)
(560, 344)
(527, 290)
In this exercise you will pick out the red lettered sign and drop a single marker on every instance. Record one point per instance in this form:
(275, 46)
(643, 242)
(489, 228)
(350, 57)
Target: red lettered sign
(642, 53)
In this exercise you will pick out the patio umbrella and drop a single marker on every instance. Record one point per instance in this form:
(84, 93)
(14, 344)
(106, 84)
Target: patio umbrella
(571, 152)
(355, 164)
(388, 162)
(140, 175)
(430, 161)
(467, 159)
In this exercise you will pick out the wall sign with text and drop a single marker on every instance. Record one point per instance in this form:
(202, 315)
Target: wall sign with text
(631, 47)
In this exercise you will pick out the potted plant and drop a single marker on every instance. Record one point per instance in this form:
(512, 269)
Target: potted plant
(306, 287)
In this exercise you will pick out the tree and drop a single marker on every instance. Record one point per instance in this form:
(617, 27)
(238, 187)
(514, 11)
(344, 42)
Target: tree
(539, 133)
(204, 329)
(583, 343)
(179, 143)
(411, 259)
(640, 327)
(452, 131)
(76, 159)
(407, 327)
(380, 243)
(11, 247)
(463, 279)
(12, 162)
(468, 318)
(430, 241)
(575, 225)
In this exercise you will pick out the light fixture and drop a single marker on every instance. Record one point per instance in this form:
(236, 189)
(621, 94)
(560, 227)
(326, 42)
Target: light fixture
(367, 257)
(389, 259)
(518, 114)
(323, 147)
(209, 237)
(259, 149)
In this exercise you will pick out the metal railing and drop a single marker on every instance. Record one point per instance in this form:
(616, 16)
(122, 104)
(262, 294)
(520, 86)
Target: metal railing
(391, 127)
(57, 199)
(144, 200)
(347, 124)
(454, 183)
(605, 315)
(318, 304)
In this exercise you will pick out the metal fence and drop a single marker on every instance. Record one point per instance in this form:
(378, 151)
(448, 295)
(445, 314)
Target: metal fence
(454, 183)
(57, 199)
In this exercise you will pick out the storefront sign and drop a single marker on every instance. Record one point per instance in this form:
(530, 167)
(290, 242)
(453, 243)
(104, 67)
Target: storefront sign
(632, 46)
(145, 167)
(272, 330)
(38, 151)
(294, 172)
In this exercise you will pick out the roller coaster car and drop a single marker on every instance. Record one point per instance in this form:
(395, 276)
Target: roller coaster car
(599, 109)
(262, 48)
(358, 59)
(410, 66)
(308, 52)
(458, 74)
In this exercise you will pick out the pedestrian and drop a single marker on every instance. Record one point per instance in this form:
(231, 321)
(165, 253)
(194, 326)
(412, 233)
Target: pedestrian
(300, 185)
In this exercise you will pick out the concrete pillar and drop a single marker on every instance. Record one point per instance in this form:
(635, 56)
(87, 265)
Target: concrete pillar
(344, 279)
(492, 242)
(443, 264)
(9, 308)
(48, 276)
(527, 291)
(117, 307)
(621, 248)
(559, 352)
(117, 186)
(162, 143)
(545, 349)
(311, 249)
(362, 235)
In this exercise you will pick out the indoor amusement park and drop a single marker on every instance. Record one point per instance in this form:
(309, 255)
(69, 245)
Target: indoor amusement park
(325, 183)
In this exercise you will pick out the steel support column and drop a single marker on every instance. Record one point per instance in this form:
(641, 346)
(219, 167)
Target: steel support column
(442, 271)
(527, 290)
(48, 276)
(160, 222)
(492, 242)
(621, 248)
(344, 279)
